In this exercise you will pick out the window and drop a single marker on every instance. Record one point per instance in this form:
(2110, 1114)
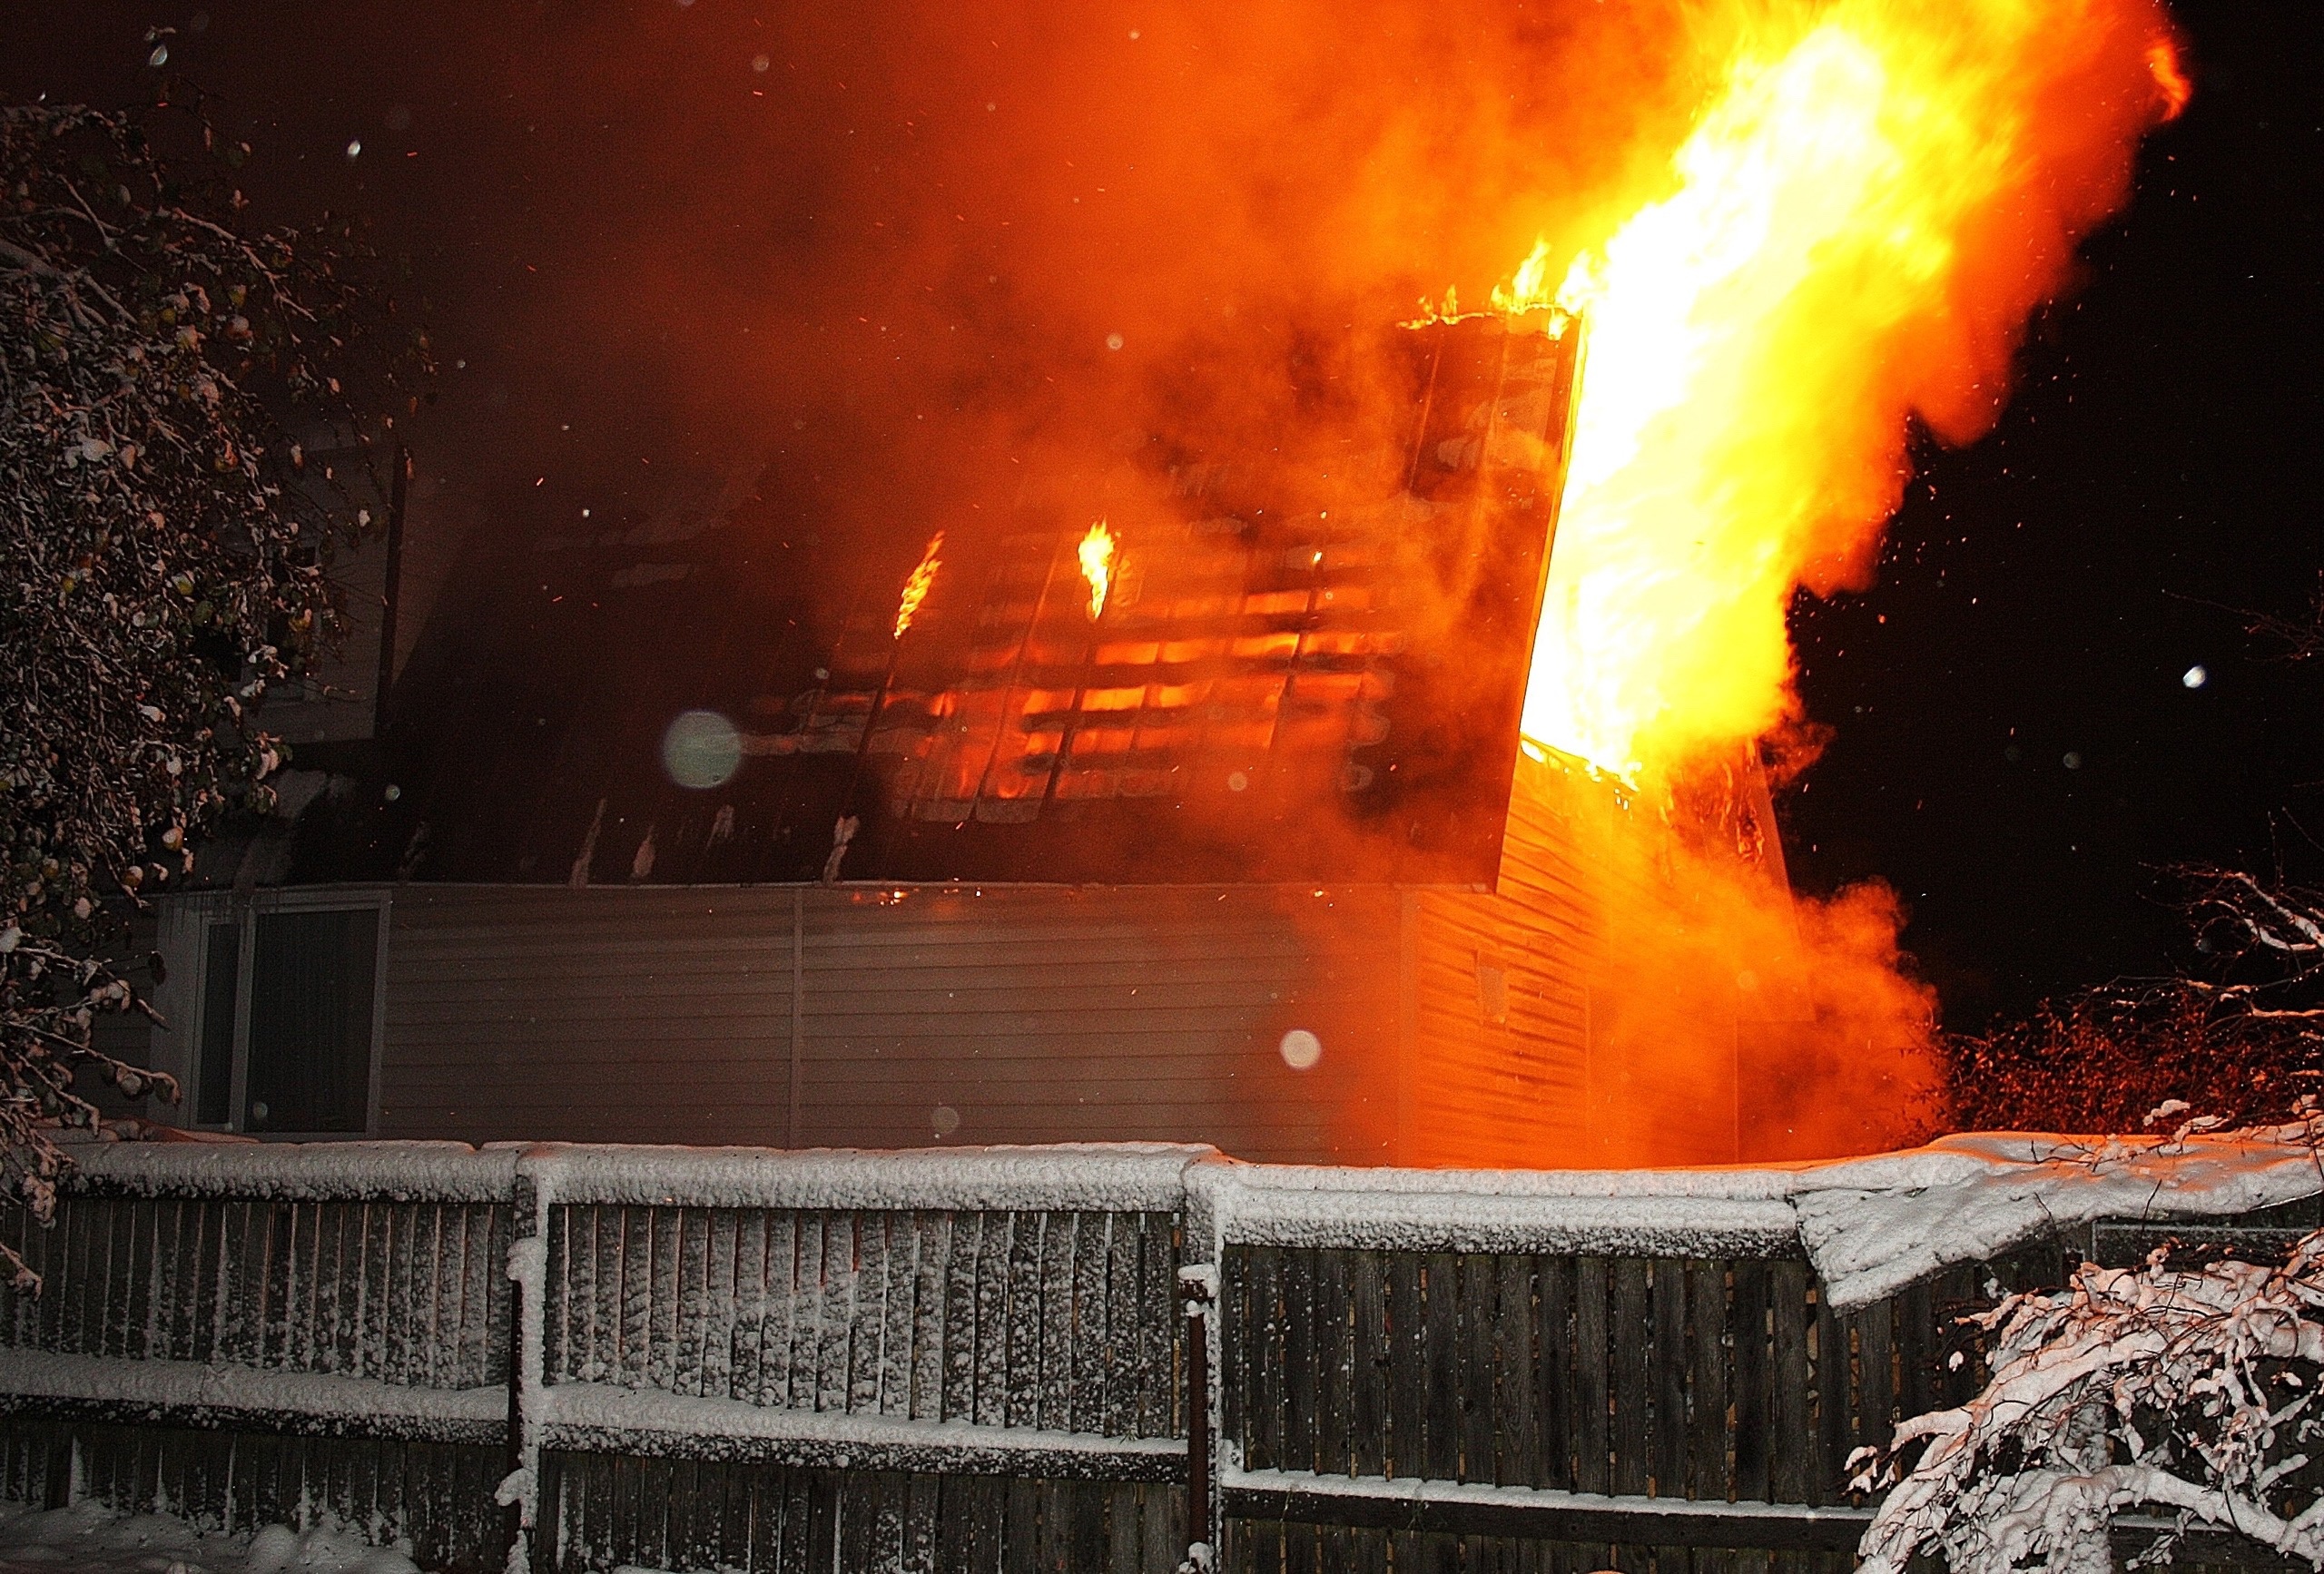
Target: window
(286, 1028)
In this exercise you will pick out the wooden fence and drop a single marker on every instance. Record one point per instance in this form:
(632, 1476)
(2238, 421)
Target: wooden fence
(701, 1360)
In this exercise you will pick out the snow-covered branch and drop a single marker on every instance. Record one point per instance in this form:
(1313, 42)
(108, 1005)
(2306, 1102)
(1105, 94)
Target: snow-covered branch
(163, 554)
(2186, 1392)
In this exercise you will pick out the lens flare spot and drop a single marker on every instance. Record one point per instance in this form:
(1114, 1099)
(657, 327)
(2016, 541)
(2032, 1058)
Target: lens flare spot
(701, 750)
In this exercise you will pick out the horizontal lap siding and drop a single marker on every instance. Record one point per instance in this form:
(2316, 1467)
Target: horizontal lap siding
(1031, 1014)
(1514, 1091)
(543, 1013)
(1047, 1014)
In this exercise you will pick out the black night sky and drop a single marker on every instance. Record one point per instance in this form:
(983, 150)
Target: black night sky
(2015, 746)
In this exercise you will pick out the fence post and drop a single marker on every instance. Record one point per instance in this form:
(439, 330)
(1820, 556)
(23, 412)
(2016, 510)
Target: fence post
(1199, 1283)
(519, 1490)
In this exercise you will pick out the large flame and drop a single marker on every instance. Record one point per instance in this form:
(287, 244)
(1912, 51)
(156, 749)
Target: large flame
(1872, 200)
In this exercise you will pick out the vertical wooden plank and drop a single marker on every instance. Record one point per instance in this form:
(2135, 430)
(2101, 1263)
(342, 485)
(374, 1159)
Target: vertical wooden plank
(1053, 1382)
(931, 1302)
(135, 1302)
(395, 1326)
(1752, 1368)
(1835, 1402)
(893, 1393)
(1668, 1434)
(1876, 1375)
(1407, 1367)
(868, 1318)
(1263, 1374)
(992, 1324)
(1440, 1377)
(1480, 1390)
(120, 1276)
(781, 1300)
(556, 1294)
(750, 1305)
(921, 1506)
(1516, 1423)
(1090, 1334)
(841, 1276)
(962, 1303)
(714, 1312)
(1368, 1424)
(1122, 1316)
(1790, 1450)
(1556, 1411)
(807, 1305)
(1335, 1355)
(1300, 1385)
(1020, 1372)
(666, 1294)
(1707, 1324)
(1917, 1339)
(604, 1308)
(633, 1340)
(1634, 1364)
(1160, 1327)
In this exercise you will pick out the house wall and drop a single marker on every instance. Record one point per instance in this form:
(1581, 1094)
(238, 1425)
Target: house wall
(1033, 1014)
(1501, 1069)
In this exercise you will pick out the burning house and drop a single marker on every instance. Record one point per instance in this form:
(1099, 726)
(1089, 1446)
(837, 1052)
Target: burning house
(1184, 801)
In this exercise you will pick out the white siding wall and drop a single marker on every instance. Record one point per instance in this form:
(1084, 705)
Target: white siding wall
(1035, 1014)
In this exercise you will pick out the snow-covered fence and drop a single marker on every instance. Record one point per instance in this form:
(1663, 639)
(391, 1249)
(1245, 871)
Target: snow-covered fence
(983, 1359)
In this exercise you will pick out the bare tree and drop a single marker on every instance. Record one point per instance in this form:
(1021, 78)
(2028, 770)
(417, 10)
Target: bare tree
(2238, 1035)
(164, 546)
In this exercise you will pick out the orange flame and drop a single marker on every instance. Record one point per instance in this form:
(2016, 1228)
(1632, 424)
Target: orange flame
(1097, 551)
(1847, 246)
(917, 587)
(2162, 63)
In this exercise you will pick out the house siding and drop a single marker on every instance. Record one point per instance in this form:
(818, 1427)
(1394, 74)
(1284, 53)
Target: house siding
(1036, 1014)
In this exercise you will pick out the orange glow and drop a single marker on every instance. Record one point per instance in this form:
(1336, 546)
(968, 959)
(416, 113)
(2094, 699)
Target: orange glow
(2162, 62)
(1862, 217)
(917, 587)
(1097, 552)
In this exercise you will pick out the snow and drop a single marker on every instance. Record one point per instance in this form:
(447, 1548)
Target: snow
(90, 1539)
(580, 1414)
(382, 1407)
(1425, 1490)
(1646, 1212)
(1873, 1226)
(1121, 1177)
(300, 1171)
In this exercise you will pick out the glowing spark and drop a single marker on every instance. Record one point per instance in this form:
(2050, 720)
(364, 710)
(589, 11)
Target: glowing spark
(1098, 566)
(916, 588)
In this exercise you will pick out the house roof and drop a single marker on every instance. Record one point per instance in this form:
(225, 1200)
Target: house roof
(1291, 677)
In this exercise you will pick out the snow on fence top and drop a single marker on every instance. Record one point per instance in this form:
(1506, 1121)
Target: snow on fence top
(1102, 1177)
(300, 1171)
(1873, 1226)
(1869, 1225)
